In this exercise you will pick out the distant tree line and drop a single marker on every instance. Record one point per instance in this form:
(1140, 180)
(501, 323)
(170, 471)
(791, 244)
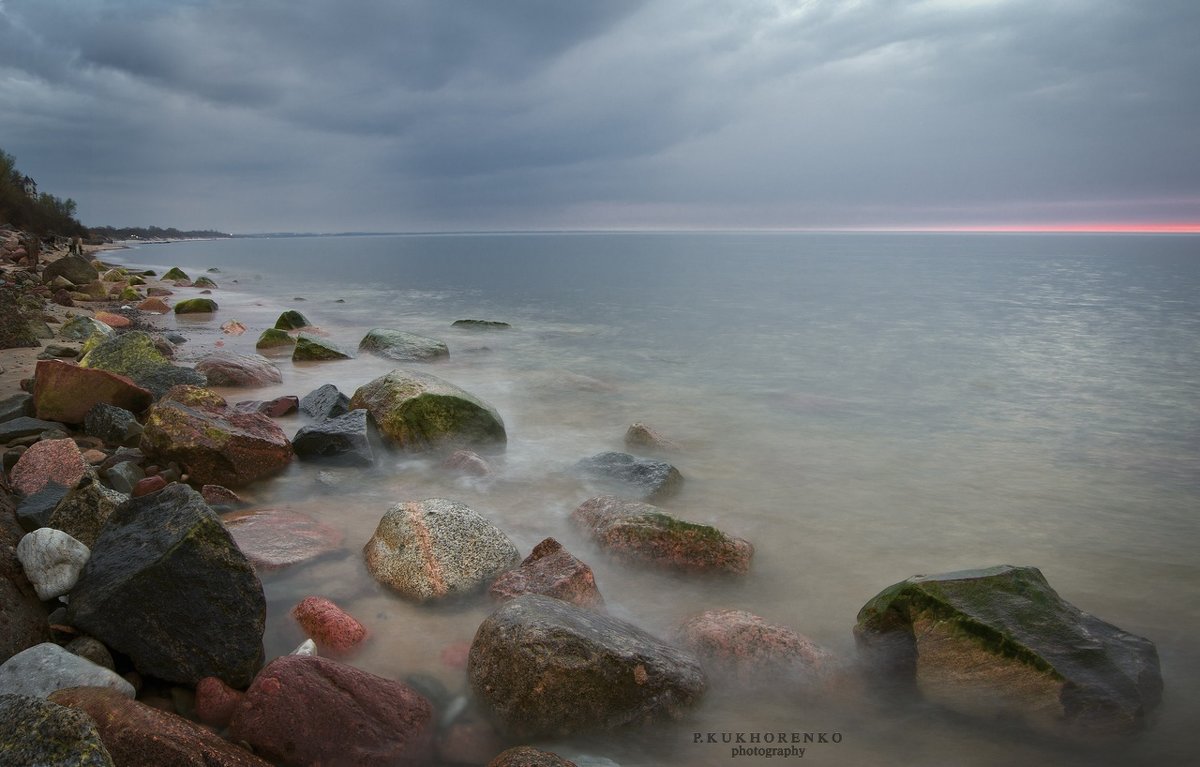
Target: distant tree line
(151, 233)
(23, 207)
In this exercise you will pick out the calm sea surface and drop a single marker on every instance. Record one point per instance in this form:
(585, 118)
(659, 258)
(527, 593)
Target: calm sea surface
(861, 407)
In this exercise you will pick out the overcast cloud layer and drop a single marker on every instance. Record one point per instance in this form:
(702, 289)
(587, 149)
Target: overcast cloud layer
(336, 115)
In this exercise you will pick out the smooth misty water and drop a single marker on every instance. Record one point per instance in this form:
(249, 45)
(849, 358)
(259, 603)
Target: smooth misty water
(861, 407)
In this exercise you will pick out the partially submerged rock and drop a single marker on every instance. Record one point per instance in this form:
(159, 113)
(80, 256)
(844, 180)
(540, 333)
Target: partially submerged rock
(749, 649)
(167, 586)
(332, 628)
(482, 325)
(229, 369)
(275, 538)
(273, 338)
(639, 436)
(292, 320)
(136, 355)
(552, 571)
(342, 440)
(196, 306)
(639, 532)
(437, 548)
(326, 401)
(550, 669)
(313, 348)
(649, 479)
(402, 346)
(1001, 642)
(417, 411)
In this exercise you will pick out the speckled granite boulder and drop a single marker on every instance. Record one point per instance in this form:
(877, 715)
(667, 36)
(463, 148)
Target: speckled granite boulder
(37, 733)
(84, 510)
(550, 669)
(417, 411)
(437, 548)
(745, 647)
(404, 347)
(1000, 642)
(51, 460)
(552, 571)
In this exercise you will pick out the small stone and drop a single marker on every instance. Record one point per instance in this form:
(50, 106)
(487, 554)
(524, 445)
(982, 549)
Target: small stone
(115, 321)
(333, 629)
(45, 668)
(154, 305)
(52, 561)
(307, 648)
(95, 457)
(124, 476)
(325, 402)
(641, 436)
(92, 649)
(149, 485)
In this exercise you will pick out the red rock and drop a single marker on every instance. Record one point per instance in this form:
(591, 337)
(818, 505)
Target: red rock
(550, 570)
(57, 460)
(113, 320)
(233, 328)
(467, 462)
(739, 644)
(62, 297)
(157, 291)
(228, 369)
(456, 655)
(306, 710)
(65, 392)
(137, 734)
(154, 305)
(275, 408)
(333, 629)
(215, 495)
(216, 701)
(528, 756)
(149, 485)
(275, 538)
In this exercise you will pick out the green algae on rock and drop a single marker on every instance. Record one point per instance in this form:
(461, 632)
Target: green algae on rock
(274, 338)
(36, 731)
(402, 346)
(175, 273)
(418, 411)
(1000, 642)
(311, 348)
(292, 320)
(196, 306)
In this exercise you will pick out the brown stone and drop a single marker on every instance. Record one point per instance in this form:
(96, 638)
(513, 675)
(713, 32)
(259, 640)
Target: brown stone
(229, 369)
(639, 436)
(137, 734)
(154, 305)
(57, 460)
(276, 538)
(116, 321)
(149, 485)
(332, 628)
(215, 495)
(65, 392)
(304, 710)
(550, 570)
(745, 646)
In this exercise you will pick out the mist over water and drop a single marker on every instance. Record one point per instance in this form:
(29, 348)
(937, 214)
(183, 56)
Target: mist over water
(860, 407)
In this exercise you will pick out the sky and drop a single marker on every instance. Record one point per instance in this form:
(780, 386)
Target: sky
(449, 115)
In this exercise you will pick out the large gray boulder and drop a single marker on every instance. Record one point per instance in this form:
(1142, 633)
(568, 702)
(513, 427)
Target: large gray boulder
(418, 411)
(1000, 642)
(167, 586)
(402, 346)
(437, 548)
(547, 668)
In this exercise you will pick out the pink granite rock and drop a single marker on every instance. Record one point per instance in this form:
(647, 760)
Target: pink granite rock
(216, 701)
(332, 628)
(65, 392)
(149, 485)
(275, 538)
(528, 756)
(739, 644)
(305, 710)
(467, 462)
(215, 495)
(57, 460)
(550, 570)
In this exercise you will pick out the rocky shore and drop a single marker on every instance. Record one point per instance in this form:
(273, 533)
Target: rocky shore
(131, 570)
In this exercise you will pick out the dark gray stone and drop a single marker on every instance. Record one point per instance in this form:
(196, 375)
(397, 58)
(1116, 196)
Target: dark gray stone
(16, 406)
(650, 480)
(167, 586)
(77, 269)
(34, 511)
(84, 510)
(124, 475)
(114, 425)
(342, 440)
(325, 402)
(24, 426)
(37, 733)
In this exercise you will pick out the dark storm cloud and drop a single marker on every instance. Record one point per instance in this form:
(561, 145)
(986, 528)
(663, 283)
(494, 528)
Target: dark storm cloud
(314, 114)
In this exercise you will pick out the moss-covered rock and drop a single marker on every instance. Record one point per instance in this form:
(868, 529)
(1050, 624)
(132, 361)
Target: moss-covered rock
(999, 642)
(311, 348)
(82, 328)
(482, 325)
(273, 338)
(292, 320)
(418, 411)
(639, 532)
(196, 306)
(14, 326)
(34, 731)
(134, 354)
(130, 294)
(204, 282)
(175, 273)
(402, 346)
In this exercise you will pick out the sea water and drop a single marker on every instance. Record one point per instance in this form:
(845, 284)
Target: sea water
(861, 407)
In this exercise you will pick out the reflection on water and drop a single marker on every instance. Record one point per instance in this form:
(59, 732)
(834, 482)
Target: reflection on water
(861, 407)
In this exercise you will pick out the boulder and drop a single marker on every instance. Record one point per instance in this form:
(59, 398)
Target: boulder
(437, 548)
(36, 732)
(216, 444)
(999, 642)
(402, 346)
(23, 618)
(204, 282)
(639, 436)
(115, 425)
(417, 411)
(481, 325)
(311, 348)
(137, 734)
(77, 269)
(528, 756)
(66, 393)
(548, 668)
(57, 460)
(342, 440)
(175, 273)
(167, 586)
(332, 628)
(136, 355)
(467, 462)
(34, 511)
(292, 320)
(24, 426)
(52, 561)
(325, 402)
(153, 305)
(650, 480)
(84, 510)
(273, 338)
(747, 648)
(639, 532)
(301, 709)
(46, 667)
(82, 328)
(216, 495)
(15, 332)
(229, 369)
(276, 538)
(196, 306)
(16, 406)
(550, 570)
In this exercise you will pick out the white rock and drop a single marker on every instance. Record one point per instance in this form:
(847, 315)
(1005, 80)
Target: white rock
(46, 667)
(52, 561)
(308, 647)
